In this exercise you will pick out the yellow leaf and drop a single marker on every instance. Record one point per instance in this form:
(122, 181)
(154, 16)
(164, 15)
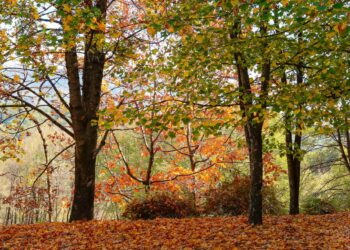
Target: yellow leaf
(285, 2)
(336, 28)
(312, 52)
(342, 27)
(101, 26)
(234, 2)
(67, 8)
(331, 103)
(199, 38)
(151, 30)
(330, 35)
(12, 2)
(36, 15)
(104, 86)
(171, 29)
(117, 34)
(16, 78)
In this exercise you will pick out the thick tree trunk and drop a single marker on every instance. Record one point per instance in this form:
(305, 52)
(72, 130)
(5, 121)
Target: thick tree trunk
(294, 181)
(86, 134)
(84, 103)
(254, 141)
(253, 135)
(84, 185)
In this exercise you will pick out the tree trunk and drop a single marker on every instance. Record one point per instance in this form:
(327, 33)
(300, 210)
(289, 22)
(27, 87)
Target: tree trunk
(49, 197)
(254, 141)
(8, 213)
(293, 153)
(254, 123)
(86, 134)
(293, 161)
(253, 135)
(345, 157)
(84, 104)
(84, 185)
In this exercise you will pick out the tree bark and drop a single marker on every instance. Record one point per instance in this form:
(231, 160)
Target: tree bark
(253, 135)
(84, 185)
(293, 151)
(255, 145)
(49, 197)
(345, 158)
(84, 106)
(86, 135)
(294, 162)
(253, 126)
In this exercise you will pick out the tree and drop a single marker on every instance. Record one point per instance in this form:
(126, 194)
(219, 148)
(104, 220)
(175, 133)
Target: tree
(308, 63)
(293, 140)
(83, 36)
(215, 27)
(83, 108)
(253, 39)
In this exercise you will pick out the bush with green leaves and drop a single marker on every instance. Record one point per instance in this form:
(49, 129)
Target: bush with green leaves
(159, 205)
(232, 198)
(315, 205)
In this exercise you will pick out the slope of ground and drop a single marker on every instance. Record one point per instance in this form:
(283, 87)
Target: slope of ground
(278, 232)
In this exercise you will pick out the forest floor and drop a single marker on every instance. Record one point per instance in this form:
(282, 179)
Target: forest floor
(278, 232)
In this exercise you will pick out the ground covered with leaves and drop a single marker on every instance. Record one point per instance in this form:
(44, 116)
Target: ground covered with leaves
(278, 232)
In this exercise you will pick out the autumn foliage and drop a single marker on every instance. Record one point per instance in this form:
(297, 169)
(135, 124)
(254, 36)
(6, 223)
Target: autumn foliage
(174, 109)
(284, 232)
(159, 204)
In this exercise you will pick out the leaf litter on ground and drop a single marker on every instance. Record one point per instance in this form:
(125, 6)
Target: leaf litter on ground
(278, 232)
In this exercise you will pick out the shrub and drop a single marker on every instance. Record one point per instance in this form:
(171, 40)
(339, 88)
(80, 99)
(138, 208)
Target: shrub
(159, 204)
(232, 198)
(315, 205)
